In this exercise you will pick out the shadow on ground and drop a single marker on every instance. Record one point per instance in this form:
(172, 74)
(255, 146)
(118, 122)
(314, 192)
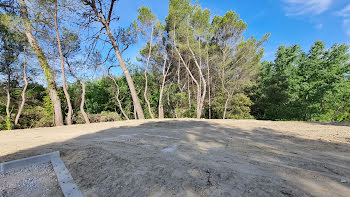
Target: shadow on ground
(199, 158)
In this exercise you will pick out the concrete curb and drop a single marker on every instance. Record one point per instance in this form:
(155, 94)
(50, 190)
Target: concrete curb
(21, 163)
(65, 180)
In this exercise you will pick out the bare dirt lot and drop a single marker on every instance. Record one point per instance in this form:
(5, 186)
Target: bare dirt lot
(189, 157)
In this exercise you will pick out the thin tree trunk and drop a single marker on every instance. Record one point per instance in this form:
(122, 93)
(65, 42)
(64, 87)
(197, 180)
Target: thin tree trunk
(135, 113)
(160, 106)
(200, 96)
(82, 103)
(117, 94)
(226, 105)
(225, 109)
(70, 109)
(8, 113)
(195, 81)
(110, 35)
(146, 80)
(49, 73)
(189, 72)
(178, 73)
(208, 80)
(24, 88)
(117, 97)
(188, 91)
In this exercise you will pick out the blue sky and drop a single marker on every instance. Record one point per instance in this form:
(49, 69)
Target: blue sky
(289, 21)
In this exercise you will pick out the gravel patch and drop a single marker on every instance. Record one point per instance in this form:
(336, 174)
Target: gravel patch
(36, 180)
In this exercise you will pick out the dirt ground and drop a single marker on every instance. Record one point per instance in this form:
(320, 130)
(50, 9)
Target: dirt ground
(32, 181)
(187, 157)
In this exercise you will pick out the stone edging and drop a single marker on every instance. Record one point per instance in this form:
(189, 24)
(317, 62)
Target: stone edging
(65, 180)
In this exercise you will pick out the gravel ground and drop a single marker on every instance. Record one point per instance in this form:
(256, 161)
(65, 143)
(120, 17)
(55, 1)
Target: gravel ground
(35, 180)
(186, 157)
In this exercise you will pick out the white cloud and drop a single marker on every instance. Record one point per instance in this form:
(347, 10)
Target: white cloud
(319, 26)
(344, 12)
(346, 25)
(348, 32)
(301, 7)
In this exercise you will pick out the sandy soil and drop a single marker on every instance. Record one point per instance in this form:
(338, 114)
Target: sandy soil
(35, 180)
(195, 157)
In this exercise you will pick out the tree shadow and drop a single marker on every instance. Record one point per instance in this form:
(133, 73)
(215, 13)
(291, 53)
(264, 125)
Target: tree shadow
(201, 158)
(332, 123)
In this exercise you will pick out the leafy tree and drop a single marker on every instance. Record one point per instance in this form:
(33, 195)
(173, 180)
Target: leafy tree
(102, 12)
(21, 19)
(305, 86)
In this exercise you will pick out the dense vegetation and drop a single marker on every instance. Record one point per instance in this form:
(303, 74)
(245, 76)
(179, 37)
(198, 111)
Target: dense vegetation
(312, 86)
(192, 65)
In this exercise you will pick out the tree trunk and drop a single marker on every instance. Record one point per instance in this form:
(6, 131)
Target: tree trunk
(110, 35)
(226, 104)
(193, 79)
(200, 96)
(146, 80)
(225, 109)
(70, 109)
(135, 113)
(82, 103)
(189, 91)
(178, 74)
(117, 97)
(208, 80)
(160, 106)
(135, 98)
(49, 73)
(8, 113)
(24, 88)
(117, 94)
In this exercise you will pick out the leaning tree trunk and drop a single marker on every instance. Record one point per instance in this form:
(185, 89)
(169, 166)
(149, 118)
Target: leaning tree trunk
(110, 35)
(134, 96)
(117, 97)
(200, 96)
(146, 80)
(226, 104)
(82, 103)
(49, 73)
(117, 94)
(70, 109)
(24, 88)
(193, 79)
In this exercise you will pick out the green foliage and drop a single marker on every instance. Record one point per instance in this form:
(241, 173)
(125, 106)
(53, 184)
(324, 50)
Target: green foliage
(194, 50)
(104, 116)
(239, 107)
(98, 96)
(311, 86)
(47, 108)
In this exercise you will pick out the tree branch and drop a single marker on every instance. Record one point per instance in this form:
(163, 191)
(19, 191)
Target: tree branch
(9, 6)
(110, 11)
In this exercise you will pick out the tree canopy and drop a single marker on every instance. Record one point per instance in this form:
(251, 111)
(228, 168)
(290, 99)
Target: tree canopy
(191, 65)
